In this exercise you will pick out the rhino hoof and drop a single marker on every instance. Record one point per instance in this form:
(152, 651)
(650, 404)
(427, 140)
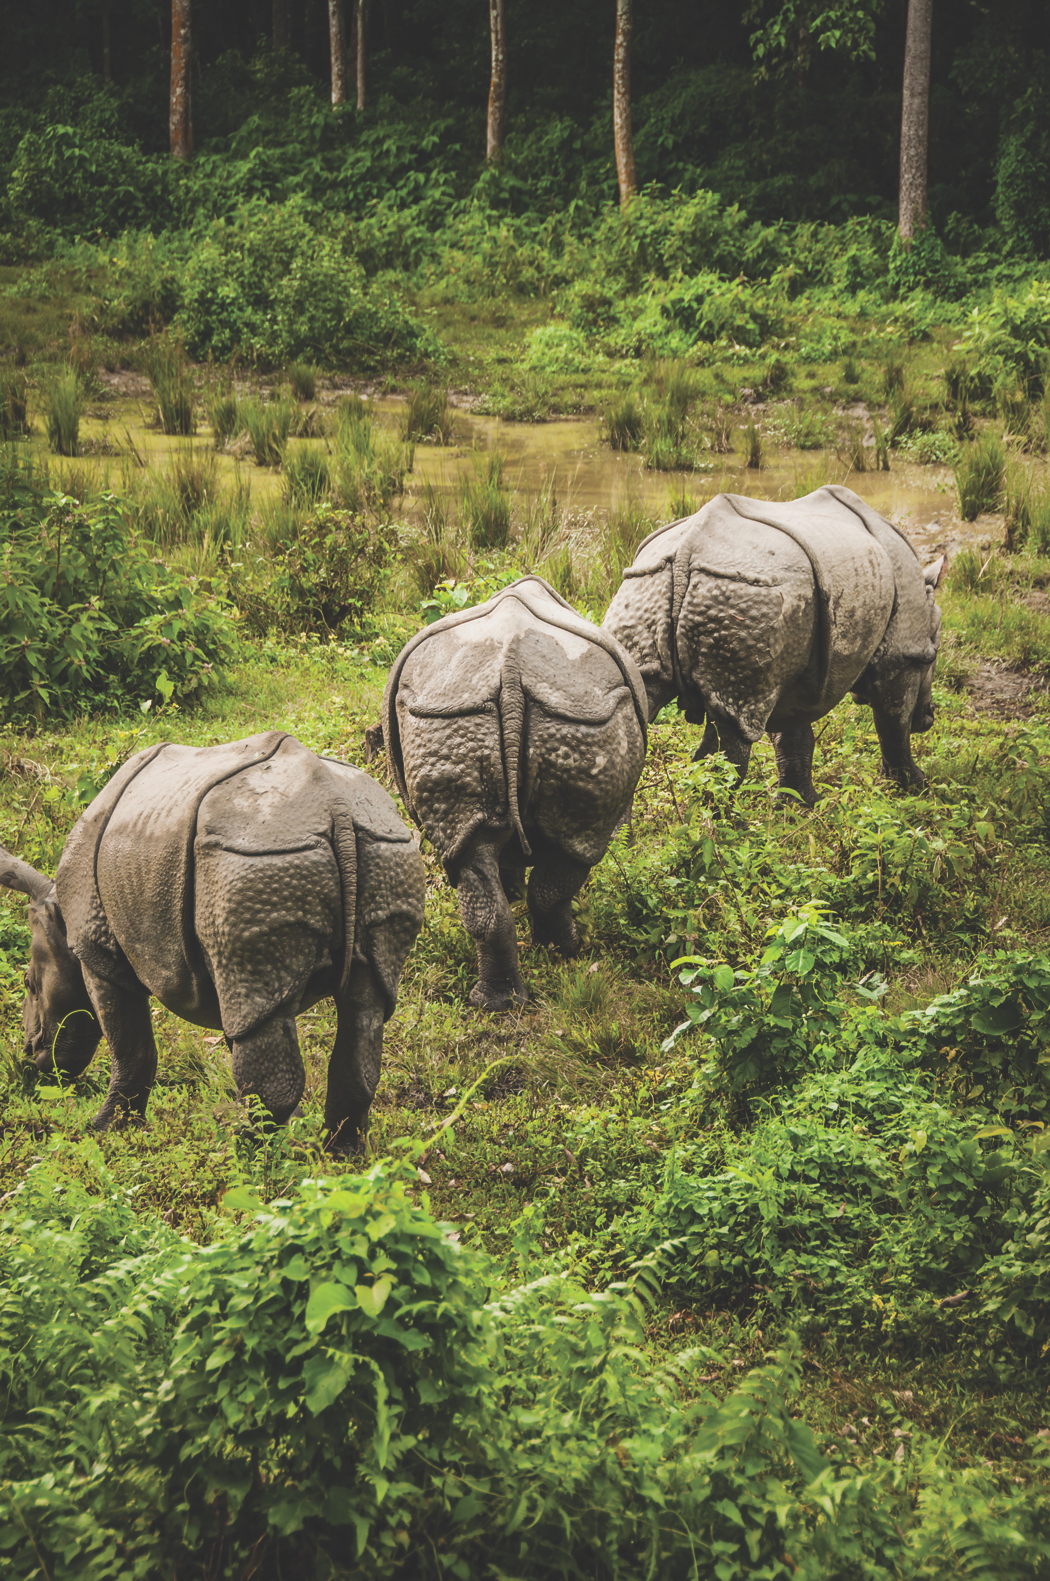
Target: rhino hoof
(483, 998)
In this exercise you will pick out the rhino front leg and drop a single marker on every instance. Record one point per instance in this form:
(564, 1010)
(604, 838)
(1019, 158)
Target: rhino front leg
(488, 919)
(794, 750)
(895, 740)
(267, 1062)
(353, 1070)
(724, 735)
(553, 883)
(127, 1027)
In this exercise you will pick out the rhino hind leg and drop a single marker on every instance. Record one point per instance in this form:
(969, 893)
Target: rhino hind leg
(794, 750)
(722, 734)
(353, 1070)
(489, 920)
(554, 882)
(267, 1062)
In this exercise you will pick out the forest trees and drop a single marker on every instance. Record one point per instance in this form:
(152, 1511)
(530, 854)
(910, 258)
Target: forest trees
(622, 101)
(915, 119)
(337, 48)
(180, 112)
(497, 81)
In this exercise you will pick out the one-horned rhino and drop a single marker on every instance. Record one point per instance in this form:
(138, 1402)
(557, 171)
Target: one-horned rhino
(517, 732)
(760, 616)
(238, 884)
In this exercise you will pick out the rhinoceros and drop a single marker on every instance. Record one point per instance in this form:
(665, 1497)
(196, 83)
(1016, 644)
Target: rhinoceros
(517, 732)
(238, 884)
(761, 617)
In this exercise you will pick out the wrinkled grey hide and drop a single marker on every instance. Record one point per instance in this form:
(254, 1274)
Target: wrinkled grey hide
(238, 884)
(517, 732)
(759, 616)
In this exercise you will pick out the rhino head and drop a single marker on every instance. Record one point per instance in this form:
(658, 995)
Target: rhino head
(61, 1029)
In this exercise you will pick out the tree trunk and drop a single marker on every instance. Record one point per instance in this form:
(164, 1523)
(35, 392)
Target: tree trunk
(280, 24)
(622, 102)
(361, 38)
(915, 119)
(497, 82)
(180, 112)
(338, 51)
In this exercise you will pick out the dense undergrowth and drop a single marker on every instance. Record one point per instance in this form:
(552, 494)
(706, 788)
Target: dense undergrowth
(729, 1254)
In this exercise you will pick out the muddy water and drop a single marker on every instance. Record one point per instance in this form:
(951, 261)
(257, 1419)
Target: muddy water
(587, 476)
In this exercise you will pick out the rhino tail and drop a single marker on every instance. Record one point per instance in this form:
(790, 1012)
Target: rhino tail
(512, 728)
(344, 845)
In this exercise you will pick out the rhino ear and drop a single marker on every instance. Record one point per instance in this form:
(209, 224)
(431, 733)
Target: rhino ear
(934, 572)
(16, 874)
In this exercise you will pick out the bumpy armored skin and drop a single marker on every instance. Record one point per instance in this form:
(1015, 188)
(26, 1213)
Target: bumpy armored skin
(517, 732)
(760, 616)
(237, 884)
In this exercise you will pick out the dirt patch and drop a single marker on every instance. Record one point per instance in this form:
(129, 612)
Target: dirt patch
(124, 382)
(1005, 694)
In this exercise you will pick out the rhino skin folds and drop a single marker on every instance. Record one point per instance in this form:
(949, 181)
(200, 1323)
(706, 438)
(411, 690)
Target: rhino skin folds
(517, 732)
(238, 884)
(761, 616)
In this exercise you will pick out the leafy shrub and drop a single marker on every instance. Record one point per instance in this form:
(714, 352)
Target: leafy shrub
(274, 287)
(979, 474)
(65, 406)
(557, 348)
(934, 449)
(88, 617)
(1010, 335)
(920, 264)
(83, 184)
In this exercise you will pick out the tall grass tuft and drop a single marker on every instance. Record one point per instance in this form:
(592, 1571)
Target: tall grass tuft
(753, 444)
(979, 475)
(302, 376)
(14, 404)
(440, 556)
(306, 475)
(1018, 492)
(624, 424)
(268, 428)
(851, 371)
(65, 405)
(893, 376)
(882, 447)
(485, 503)
(427, 415)
(1039, 520)
(628, 522)
(680, 502)
(224, 416)
(172, 384)
(368, 467)
(540, 517)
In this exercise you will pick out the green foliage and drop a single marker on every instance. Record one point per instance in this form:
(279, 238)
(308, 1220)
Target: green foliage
(268, 425)
(65, 407)
(14, 405)
(274, 287)
(368, 465)
(979, 474)
(920, 264)
(326, 579)
(1010, 336)
(88, 617)
(428, 415)
(303, 379)
(936, 448)
(306, 475)
(223, 415)
(624, 423)
(485, 504)
(172, 383)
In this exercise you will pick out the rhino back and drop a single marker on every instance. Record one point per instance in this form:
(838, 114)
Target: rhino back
(145, 868)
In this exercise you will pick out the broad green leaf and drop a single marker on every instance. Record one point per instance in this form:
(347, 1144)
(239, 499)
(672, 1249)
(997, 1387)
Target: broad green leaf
(372, 1298)
(325, 1378)
(325, 1300)
(724, 978)
(241, 1199)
